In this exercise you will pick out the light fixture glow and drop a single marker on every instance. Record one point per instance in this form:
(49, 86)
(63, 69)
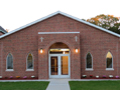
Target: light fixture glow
(76, 50)
(41, 50)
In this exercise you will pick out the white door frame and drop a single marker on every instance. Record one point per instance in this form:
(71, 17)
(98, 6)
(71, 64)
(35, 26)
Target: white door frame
(59, 66)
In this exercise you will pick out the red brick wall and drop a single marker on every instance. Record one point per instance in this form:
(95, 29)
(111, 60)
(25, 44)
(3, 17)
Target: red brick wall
(69, 40)
(98, 44)
(19, 45)
(91, 40)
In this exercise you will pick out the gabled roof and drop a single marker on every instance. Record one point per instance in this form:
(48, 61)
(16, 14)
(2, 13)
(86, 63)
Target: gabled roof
(62, 13)
(2, 30)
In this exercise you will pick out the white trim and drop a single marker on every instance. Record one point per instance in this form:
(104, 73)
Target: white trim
(29, 69)
(109, 68)
(9, 69)
(59, 70)
(89, 69)
(67, 15)
(57, 32)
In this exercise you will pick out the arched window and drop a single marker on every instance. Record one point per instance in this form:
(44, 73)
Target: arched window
(109, 60)
(89, 61)
(9, 61)
(30, 61)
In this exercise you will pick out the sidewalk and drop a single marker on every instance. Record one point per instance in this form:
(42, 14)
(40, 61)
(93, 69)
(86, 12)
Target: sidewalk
(58, 84)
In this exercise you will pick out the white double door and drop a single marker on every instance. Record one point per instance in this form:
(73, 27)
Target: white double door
(59, 66)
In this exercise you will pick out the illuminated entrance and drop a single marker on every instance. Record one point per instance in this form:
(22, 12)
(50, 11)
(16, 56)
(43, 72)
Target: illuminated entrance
(59, 63)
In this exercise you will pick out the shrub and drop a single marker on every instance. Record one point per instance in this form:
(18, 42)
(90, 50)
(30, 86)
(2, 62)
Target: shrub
(104, 76)
(91, 76)
(0, 76)
(110, 76)
(117, 76)
(25, 77)
(32, 76)
(84, 76)
(97, 76)
(17, 76)
(11, 77)
(6, 77)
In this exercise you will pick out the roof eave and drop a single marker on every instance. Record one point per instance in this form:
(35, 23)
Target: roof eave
(67, 15)
(90, 24)
(27, 25)
(3, 31)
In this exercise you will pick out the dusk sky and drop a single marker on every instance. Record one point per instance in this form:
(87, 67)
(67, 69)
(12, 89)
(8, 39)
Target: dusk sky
(17, 13)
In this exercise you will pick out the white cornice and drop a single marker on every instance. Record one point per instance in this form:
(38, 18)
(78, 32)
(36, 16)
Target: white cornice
(57, 32)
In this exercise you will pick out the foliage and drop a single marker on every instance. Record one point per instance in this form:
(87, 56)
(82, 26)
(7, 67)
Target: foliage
(32, 76)
(17, 76)
(11, 77)
(115, 28)
(94, 85)
(25, 77)
(24, 85)
(106, 21)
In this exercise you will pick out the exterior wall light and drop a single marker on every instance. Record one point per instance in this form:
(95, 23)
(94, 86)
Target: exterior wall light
(76, 50)
(41, 50)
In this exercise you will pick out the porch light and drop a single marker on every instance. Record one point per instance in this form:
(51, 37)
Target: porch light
(76, 50)
(41, 50)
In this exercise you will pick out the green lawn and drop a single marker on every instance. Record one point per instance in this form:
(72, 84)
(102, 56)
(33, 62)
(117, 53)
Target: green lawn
(94, 85)
(32, 85)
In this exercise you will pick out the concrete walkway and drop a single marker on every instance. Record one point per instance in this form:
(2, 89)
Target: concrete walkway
(58, 84)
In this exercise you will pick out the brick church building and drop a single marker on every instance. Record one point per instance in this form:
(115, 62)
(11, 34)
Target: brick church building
(59, 46)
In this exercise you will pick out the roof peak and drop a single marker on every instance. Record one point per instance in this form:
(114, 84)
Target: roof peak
(62, 13)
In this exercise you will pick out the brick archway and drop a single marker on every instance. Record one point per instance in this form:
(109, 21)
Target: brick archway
(68, 39)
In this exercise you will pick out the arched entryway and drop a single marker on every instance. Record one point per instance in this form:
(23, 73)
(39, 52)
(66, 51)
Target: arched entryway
(59, 61)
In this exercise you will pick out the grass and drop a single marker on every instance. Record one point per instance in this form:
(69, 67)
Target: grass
(94, 85)
(32, 85)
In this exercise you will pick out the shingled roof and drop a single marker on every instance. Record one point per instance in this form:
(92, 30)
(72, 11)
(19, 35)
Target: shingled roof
(2, 30)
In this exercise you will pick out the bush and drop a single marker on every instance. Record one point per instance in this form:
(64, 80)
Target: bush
(17, 76)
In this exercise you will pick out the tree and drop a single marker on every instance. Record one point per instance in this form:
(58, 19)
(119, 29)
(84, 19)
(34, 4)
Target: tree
(105, 21)
(7, 30)
(115, 28)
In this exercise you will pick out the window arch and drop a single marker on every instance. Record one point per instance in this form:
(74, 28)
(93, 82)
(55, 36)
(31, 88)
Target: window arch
(109, 60)
(9, 61)
(29, 61)
(89, 61)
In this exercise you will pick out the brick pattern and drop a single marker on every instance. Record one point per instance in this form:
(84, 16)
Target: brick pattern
(49, 40)
(92, 40)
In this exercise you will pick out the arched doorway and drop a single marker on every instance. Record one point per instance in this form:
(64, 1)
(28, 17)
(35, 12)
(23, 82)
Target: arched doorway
(59, 61)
